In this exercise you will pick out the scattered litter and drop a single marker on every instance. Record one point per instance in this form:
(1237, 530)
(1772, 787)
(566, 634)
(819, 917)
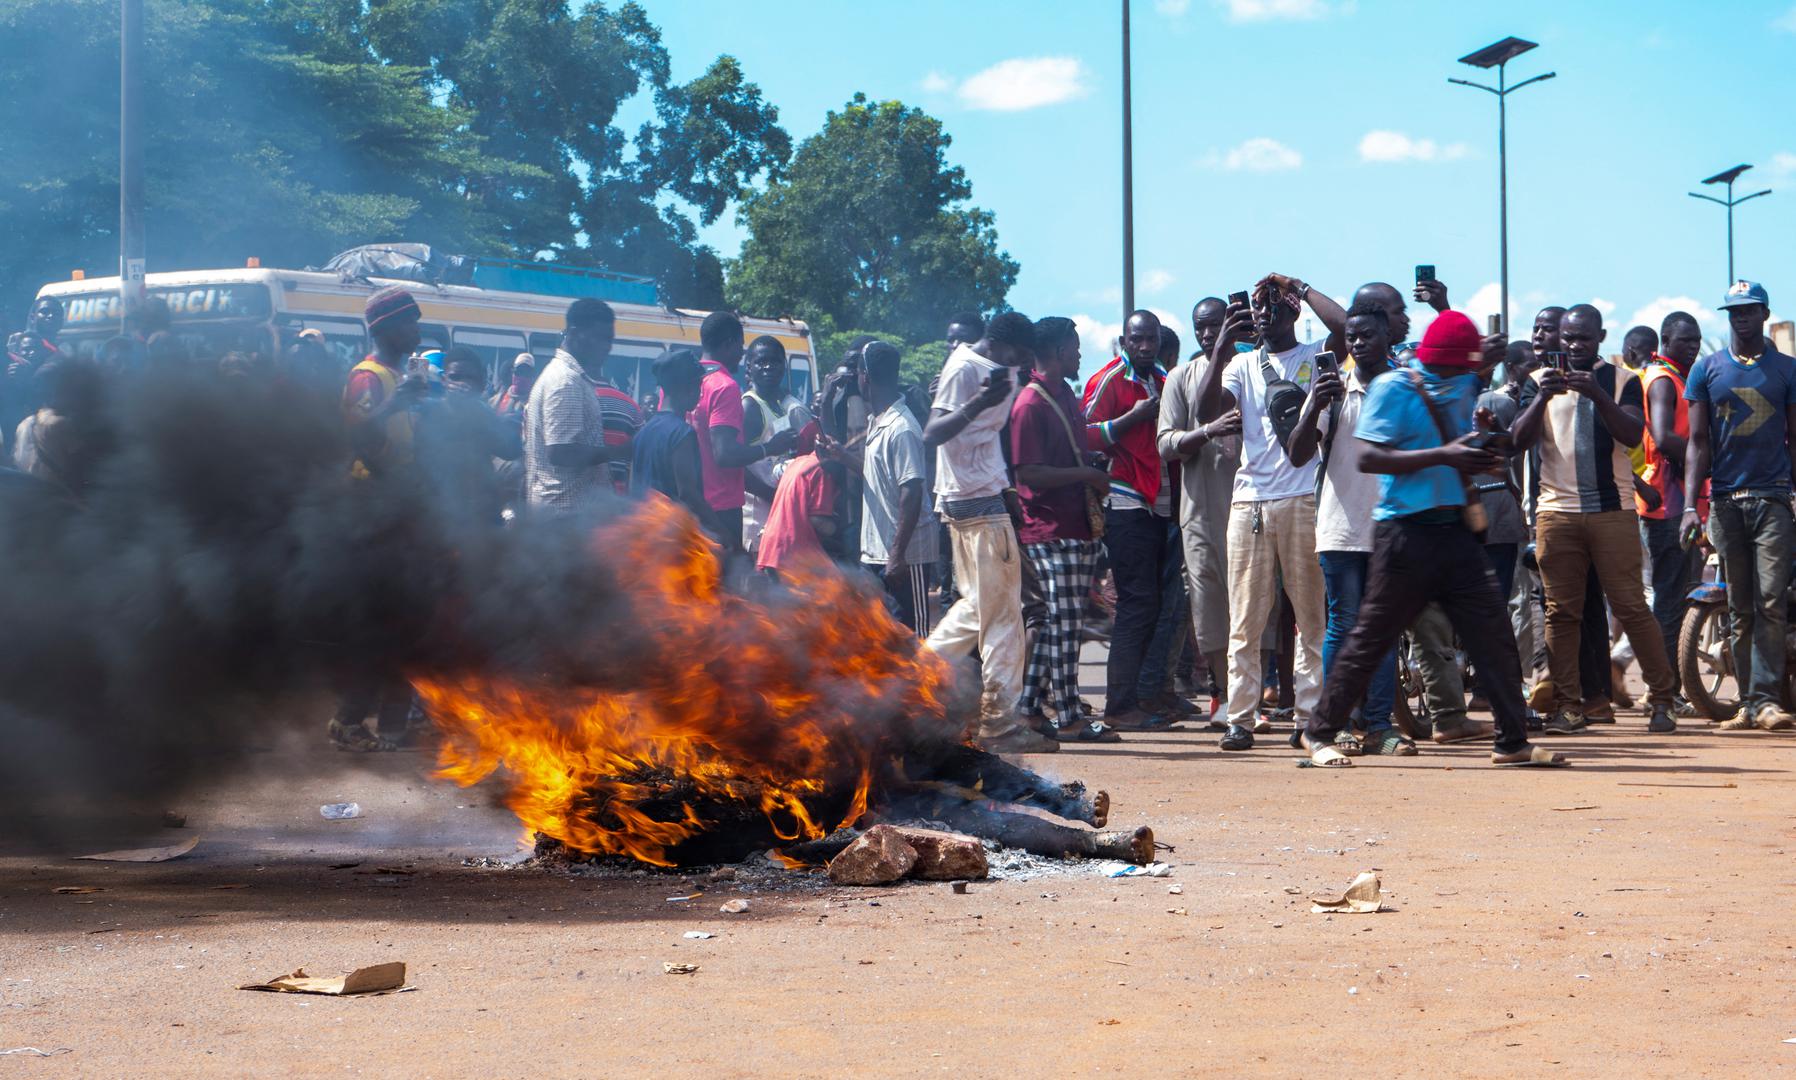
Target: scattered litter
(148, 854)
(1588, 806)
(678, 969)
(376, 979)
(76, 890)
(222, 888)
(688, 896)
(517, 858)
(1175, 911)
(172, 820)
(1175, 888)
(734, 907)
(107, 930)
(958, 887)
(722, 873)
(698, 935)
(1123, 869)
(70, 1050)
(1786, 1040)
(345, 865)
(1352, 991)
(340, 811)
(1641, 783)
(1363, 897)
(1293, 890)
(402, 870)
(1112, 1022)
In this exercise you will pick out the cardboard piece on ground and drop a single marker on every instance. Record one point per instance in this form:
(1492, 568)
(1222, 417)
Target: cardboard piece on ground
(1363, 897)
(375, 979)
(148, 854)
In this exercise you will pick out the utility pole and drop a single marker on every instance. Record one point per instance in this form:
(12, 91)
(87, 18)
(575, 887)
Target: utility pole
(1498, 56)
(130, 152)
(1730, 202)
(1128, 177)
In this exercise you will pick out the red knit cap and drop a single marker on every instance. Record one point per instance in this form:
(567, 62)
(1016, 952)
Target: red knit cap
(391, 302)
(1451, 341)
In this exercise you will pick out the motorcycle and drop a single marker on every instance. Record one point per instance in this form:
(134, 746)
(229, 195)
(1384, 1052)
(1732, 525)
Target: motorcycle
(1705, 654)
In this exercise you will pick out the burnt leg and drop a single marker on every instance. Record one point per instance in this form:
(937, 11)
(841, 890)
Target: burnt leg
(1000, 780)
(1039, 837)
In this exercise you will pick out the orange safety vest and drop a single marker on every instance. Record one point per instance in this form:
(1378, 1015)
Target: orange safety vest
(397, 448)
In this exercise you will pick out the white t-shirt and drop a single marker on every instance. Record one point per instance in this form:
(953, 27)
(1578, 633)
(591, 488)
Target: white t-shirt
(1344, 507)
(971, 465)
(1266, 473)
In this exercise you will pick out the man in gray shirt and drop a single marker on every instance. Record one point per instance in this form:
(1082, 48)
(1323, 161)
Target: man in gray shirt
(573, 432)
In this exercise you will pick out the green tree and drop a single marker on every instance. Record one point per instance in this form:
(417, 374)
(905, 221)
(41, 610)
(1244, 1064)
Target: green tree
(291, 129)
(870, 228)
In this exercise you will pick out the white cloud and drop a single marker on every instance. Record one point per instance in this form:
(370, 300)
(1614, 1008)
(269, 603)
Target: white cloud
(1484, 303)
(1786, 21)
(1014, 85)
(1267, 10)
(1654, 313)
(1607, 307)
(1156, 281)
(1255, 155)
(1391, 146)
(937, 83)
(1783, 163)
(1099, 341)
(1172, 9)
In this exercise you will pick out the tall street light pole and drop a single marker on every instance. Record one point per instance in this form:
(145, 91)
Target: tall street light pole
(1498, 56)
(1730, 202)
(1128, 177)
(130, 170)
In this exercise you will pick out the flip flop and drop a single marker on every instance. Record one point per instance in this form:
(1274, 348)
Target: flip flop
(1327, 757)
(1538, 756)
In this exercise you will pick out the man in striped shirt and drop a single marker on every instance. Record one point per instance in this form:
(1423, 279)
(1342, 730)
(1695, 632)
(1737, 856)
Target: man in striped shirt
(578, 428)
(1585, 511)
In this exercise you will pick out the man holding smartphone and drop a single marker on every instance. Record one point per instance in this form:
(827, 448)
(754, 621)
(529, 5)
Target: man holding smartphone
(966, 428)
(1345, 500)
(1583, 422)
(1272, 520)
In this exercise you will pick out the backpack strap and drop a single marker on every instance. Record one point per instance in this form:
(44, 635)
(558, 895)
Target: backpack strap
(1472, 494)
(1071, 436)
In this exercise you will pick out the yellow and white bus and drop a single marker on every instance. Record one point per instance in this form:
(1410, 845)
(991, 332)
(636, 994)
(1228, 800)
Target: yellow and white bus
(258, 310)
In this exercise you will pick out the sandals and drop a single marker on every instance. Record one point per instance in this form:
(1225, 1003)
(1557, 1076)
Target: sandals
(1388, 743)
(1530, 754)
(1325, 756)
(1348, 743)
(1091, 731)
(356, 738)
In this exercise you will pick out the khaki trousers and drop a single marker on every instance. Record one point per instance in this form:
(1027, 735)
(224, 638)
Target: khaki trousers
(988, 616)
(1285, 544)
(1568, 545)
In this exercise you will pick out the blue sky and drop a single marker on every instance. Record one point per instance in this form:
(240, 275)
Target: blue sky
(1319, 138)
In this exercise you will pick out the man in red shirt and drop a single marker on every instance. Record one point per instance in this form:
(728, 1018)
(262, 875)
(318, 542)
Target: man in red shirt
(1054, 481)
(803, 511)
(723, 455)
(1122, 404)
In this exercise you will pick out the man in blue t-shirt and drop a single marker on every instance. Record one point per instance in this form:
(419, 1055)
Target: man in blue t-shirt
(1416, 427)
(1742, 410)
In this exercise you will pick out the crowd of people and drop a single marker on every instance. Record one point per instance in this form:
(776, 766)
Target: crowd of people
(1263, 520)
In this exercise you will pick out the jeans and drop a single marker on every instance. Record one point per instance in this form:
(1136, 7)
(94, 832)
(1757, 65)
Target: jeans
(1570, 546)
(1753, 536)
(1344, 576)
(1136, 543)
(1413, 564)
(1673, 569)
(1175, 612)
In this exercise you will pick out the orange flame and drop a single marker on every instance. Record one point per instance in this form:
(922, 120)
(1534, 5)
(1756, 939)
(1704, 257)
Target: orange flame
(767, 707)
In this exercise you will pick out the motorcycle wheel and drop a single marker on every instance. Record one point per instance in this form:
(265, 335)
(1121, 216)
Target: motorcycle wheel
(1706, 663)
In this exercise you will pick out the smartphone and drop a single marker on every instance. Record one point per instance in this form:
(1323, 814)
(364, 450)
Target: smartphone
(1558, 360)
(1498, 441)
(1325, 361)
(1238, 299)
(1424, 273)
(1494, 324)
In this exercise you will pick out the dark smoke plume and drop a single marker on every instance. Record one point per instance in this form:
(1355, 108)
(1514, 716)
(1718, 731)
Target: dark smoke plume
(218, 560)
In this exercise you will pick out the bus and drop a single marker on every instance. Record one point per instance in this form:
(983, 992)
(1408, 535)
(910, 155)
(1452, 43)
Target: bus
(258, 310)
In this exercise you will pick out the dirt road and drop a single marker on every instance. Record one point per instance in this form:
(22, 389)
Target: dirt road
(1623, 917)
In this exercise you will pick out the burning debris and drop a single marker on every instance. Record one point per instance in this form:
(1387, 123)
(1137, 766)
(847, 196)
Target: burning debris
(742, 726)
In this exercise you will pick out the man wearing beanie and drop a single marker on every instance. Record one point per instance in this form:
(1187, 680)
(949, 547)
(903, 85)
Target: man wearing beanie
(1415, 429)
(1584, 513)
(376, 401)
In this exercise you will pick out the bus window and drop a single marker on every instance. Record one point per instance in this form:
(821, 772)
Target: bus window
(346, 340)
(798, 378)
(544, 346)
(432, 336)
(496, 349)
